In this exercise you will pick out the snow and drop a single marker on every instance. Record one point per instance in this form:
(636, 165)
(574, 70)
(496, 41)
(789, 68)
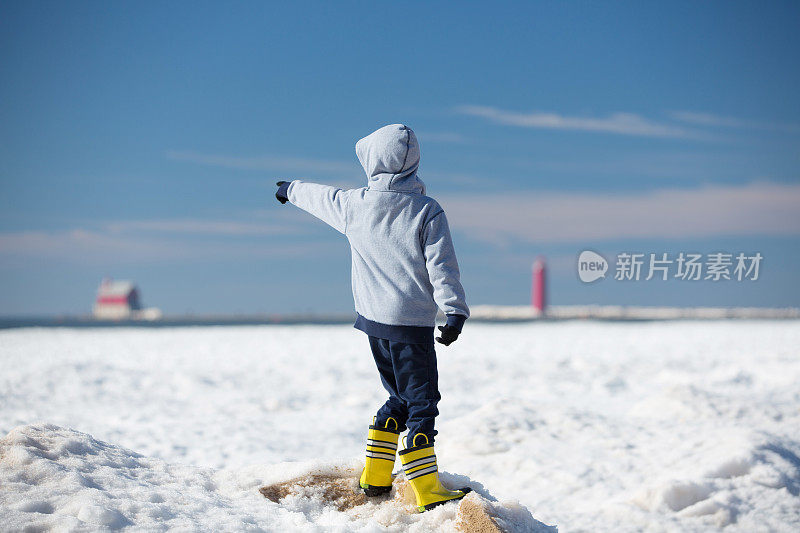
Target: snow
(590, 426)
(57, 478)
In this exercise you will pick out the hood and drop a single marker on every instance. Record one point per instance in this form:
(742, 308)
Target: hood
(390, 157)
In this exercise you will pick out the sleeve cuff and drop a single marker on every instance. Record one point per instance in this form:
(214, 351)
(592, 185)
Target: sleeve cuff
(456, 321)
(283, 192)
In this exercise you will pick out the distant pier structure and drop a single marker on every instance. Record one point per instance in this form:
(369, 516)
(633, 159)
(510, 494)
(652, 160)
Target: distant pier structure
(539, 286)
(119, 300)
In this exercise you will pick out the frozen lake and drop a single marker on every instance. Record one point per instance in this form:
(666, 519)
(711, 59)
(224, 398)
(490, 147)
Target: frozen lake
(676, 426)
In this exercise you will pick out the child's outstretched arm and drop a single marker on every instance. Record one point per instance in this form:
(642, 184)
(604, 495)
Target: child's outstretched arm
(442, 265)
(327, 203)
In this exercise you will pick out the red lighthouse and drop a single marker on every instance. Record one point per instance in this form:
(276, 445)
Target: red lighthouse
(538, 287)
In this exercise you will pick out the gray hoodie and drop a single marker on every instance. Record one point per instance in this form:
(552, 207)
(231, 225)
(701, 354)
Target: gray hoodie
(403, 262)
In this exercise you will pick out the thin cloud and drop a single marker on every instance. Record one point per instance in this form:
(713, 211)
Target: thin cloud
(198, 227)
(462, 180)
(617, 123)
(496, 218)
(753, 209)
(82, 246)
(264, 162)
(441, 137)
(137, 241)
(711, 120)
(707, 119)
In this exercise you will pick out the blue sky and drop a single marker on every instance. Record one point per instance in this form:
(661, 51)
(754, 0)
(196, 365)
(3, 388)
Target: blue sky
(142, 140)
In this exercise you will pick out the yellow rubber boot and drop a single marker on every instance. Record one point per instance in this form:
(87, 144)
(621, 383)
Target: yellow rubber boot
(376, 479)
(419, 465)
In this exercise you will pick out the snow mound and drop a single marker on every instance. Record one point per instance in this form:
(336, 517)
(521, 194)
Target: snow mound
(732, 485)
(339, 491)
(476, 513)
(55, 478)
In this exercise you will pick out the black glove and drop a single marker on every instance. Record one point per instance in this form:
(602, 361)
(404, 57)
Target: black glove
(283, 187)
(449, 335)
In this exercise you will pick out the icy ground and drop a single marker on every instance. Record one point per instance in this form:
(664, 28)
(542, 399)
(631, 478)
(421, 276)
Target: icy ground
(662, 426)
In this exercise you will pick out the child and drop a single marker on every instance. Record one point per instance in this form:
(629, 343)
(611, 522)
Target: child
(403, 266)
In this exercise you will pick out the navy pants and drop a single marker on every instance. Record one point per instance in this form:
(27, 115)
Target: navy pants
(408, 372)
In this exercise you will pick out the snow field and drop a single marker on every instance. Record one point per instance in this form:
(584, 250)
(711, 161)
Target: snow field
(60, 479)
(662, 426)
